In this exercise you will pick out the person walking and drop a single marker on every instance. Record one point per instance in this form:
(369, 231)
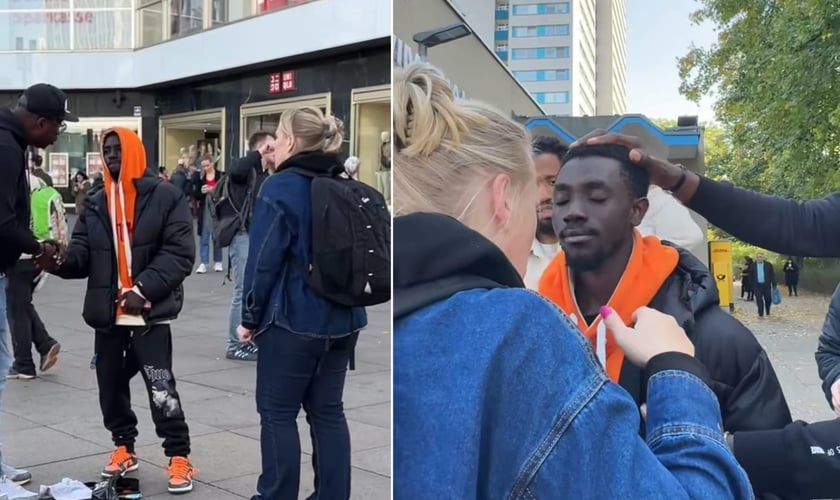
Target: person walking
(746, 284)
(81, 186)
(791, 271)
(25, 324)
(763, 279)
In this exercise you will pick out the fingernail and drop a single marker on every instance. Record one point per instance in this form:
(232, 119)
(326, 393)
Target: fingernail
(605, 311)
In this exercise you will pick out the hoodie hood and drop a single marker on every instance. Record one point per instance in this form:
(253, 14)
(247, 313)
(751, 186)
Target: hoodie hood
(133, 164)
(121, 195)
(10, 123)
(436, 256)
(318, 163)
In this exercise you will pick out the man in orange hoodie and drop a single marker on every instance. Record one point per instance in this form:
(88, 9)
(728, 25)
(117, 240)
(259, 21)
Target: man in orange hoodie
(599, 199)
(134, 243)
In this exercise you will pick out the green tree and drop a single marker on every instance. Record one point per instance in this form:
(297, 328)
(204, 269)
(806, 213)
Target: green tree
(775, 71)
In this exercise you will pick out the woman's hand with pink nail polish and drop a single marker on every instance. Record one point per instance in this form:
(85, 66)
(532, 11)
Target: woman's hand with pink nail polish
(652, 333)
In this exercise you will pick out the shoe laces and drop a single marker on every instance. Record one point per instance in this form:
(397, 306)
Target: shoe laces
(120, 456)
(180, 468)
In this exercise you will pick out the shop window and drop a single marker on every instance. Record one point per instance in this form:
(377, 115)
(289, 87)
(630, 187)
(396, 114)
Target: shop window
(189, 137)
(371, 133)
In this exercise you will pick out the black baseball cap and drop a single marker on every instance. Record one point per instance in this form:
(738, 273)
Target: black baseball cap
(48, 101)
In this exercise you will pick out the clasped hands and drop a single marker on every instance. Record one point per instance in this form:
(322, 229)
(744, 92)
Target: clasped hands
(51, 256)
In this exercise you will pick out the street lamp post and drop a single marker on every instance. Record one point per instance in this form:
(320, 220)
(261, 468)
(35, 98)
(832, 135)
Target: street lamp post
(438, 36)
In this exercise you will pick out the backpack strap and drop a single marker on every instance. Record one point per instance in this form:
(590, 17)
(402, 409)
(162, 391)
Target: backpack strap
(416, 297)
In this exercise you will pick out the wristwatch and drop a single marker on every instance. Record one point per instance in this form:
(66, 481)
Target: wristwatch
(680, 182)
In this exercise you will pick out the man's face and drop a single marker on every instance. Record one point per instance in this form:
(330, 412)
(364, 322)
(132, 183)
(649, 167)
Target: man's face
(594, 211)
(112, 150)
(43, 132)
(759, 257)
(548, 166)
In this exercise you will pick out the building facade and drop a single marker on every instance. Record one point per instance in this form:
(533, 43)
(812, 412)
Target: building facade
(571, 56)
(185, 88)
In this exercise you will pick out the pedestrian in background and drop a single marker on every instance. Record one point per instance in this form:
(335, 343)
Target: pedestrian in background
(791, 271)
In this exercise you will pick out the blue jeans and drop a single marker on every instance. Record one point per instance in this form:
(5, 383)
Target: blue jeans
(5, 354)
(206, 238)
(294, 371)
(238, 252)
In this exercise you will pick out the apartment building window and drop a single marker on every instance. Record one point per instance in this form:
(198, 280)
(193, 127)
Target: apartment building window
(547, 30)
(551, 97)
(532, 9)
(541, 53)
(542, 75)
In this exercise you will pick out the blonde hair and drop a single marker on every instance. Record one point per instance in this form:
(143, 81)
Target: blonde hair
(445, 150)
(312, 130)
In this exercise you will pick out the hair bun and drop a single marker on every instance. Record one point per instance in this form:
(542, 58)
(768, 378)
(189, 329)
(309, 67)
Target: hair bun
(426, 115)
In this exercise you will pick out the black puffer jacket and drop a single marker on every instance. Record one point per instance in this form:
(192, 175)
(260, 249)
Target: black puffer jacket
(742, 376)
(163, 253)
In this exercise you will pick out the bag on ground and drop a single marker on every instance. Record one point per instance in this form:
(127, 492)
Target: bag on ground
(351, 240)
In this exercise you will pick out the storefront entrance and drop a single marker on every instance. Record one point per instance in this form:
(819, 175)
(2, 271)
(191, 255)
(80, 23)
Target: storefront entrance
(370, 136)
(191, 136)
(264, 116)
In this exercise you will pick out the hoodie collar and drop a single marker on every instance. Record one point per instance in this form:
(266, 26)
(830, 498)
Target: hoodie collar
(318, 163)
(433, 251)
(12, 124)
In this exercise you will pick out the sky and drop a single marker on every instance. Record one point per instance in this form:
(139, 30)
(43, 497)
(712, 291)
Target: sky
(658, 34)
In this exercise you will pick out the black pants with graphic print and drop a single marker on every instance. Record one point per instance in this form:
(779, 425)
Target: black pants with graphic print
(121, 353)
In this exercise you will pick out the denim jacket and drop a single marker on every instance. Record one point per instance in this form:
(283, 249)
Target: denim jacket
(275, 290)
(498, 395)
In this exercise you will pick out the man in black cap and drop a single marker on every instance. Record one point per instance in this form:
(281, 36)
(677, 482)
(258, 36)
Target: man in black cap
(36, 120)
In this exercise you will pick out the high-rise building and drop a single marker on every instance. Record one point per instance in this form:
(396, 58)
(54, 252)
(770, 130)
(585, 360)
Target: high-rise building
(569, 55)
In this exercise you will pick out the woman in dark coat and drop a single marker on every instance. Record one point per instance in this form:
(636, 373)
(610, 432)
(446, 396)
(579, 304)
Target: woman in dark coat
(746, 284)
(791, 277)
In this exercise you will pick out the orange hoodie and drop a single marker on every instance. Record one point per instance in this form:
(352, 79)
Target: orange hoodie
(649, 266)
(121, 195)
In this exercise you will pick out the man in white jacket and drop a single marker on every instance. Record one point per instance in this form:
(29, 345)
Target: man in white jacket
(666, 217)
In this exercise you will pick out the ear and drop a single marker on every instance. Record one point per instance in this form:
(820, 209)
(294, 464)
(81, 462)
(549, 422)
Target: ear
(638, 211)
(500, 202)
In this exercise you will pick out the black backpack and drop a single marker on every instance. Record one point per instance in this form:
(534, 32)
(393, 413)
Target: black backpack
(226, 226)
(351, 240)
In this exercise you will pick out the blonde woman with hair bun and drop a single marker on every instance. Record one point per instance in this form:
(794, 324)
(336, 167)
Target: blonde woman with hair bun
(304, 340)
(497, 394)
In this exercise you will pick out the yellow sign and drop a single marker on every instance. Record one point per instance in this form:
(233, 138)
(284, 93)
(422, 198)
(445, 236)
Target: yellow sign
(720, 263)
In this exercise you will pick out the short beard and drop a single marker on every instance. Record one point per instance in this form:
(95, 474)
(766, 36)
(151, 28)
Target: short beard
(546, 228)
(585, 263)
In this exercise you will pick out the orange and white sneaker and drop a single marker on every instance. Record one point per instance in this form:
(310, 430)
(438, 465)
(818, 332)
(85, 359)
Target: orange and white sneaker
(181, 473)
(122, 461)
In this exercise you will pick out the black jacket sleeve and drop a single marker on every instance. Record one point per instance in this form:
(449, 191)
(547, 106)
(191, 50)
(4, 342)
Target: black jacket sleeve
(174, 260)
(241, 169)
(13, 234)
(800, 460)
(76, 263)
(806, 229)
(743, 377)
(197, 182)
(828, 347)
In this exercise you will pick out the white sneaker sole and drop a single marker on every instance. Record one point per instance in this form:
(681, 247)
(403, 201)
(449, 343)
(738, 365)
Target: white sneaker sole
(180, 490)
(108, 475)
